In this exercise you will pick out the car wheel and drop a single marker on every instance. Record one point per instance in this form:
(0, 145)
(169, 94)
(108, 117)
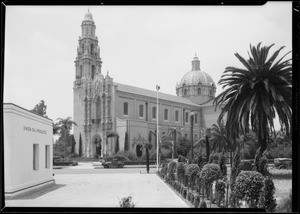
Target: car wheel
(282, 167)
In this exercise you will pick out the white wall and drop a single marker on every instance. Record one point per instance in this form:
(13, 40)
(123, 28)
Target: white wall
(22, 129)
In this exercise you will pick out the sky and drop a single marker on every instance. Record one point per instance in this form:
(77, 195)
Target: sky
(139, 45)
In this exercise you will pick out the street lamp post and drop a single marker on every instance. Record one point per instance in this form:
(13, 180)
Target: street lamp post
(157, 88)
(192, 129)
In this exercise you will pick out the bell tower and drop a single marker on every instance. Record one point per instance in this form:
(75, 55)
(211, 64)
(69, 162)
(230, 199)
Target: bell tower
(87, 69)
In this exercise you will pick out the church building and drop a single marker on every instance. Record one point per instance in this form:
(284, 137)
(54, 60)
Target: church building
(102, 106)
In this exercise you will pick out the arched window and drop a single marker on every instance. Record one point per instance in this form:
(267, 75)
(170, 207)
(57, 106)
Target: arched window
(166, 114)
(176, 115)
(141, 111)
(92, 48)
(125, 108)
(98, 108)
(185, 91)
(93, 71)
(80, 71)
(139, 150)
(199, 90)
(186, 117)
(153, 112)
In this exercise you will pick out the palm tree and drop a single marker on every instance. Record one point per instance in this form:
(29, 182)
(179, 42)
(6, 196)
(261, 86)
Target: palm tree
(145, 144)
(220, 139)
(205, 141)
(256, 93)
(173, 133)
(65, 125)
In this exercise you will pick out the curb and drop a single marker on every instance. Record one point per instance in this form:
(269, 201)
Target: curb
(177, 193)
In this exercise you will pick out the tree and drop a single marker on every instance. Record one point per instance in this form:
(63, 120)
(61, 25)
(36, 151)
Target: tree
(183, 146)
(80, 146)
(173, 133)
(145, 144)
(205, 141)
(40, 109)
(220, 140)
(126, 143)
(256, 93)
(117, 146)
(73, 143)
(65, 126)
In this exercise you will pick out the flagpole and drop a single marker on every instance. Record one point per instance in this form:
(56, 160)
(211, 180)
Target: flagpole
(157, 88)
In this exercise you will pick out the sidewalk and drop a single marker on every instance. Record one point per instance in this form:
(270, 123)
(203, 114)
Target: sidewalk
(102, 190)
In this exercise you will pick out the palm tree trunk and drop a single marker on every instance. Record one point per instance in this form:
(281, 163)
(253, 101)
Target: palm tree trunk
(65, 143)
(207, 148)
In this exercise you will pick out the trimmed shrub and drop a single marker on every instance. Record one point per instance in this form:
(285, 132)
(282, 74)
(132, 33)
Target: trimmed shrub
(126, 202)
(220, 192)
(191, 172)
(180, 171)
(261, 163)
(267, 199)
(128, 154)
(188, 196)
(248, 187)
(164, 169)
(209, 174)
(196, 200)
(213, 158)
(199, 183)
(202, 204)
(192, 198)
(235, 170)
(172, 169)
(184, 193)
(181, 159)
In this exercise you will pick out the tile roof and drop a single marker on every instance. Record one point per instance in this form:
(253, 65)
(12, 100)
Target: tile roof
(149, 93)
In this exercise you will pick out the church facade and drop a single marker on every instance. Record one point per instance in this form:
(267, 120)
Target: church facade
(102, 106)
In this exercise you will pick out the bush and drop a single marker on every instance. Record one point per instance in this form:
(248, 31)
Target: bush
(192, 198)
(209, 174)
(182, 159)
(199, 183)
(180, 171)
(261, 163)
(164, 169)
(248, 187)
(128, 154)
(235, 170)
(202, 204)
(213, 158)
(192, 171)
(220, 192)
(126, 202)
(267, 199)
(121, 157)
(196, 200)
(184, 193)
(172, 169)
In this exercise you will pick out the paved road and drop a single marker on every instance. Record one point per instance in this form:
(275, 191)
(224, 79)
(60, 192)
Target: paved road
(96, 168)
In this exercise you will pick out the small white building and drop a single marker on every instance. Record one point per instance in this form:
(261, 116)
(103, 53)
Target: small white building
(28, 151)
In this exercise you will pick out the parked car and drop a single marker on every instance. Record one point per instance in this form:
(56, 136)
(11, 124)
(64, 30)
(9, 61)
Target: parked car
(113, 164)
(59, 161)
(283, 163)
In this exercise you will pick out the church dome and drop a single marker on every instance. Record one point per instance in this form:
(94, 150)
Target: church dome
(196, 76)
(196, 85)
(88, 16)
